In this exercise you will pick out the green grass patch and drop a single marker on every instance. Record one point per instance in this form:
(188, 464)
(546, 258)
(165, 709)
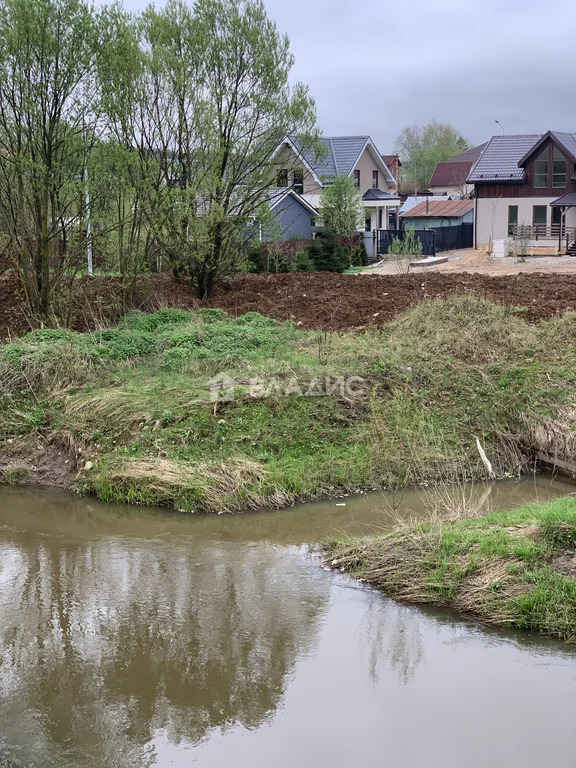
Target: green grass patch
(513, 569)
(435, 380)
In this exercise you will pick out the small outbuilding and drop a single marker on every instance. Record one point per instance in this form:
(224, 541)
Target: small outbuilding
(433, 214)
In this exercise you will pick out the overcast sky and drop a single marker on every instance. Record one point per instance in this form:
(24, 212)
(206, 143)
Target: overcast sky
(374, 66)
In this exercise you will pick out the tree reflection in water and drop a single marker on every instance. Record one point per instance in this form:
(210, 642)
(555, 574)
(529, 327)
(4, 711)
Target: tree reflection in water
(105, 642)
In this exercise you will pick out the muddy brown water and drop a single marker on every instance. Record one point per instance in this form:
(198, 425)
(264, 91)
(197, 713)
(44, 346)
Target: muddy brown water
(136, 637)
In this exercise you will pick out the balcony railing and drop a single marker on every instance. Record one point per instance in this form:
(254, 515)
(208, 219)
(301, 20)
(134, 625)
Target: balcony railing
(535, 233)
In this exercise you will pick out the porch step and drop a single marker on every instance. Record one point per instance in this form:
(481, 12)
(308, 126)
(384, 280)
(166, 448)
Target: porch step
(571, 250)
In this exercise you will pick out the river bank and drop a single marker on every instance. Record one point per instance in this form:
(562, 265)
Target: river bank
(206, 412)
(514, 569)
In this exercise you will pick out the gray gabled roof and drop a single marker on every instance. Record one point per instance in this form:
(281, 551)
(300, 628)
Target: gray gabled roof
(341, 155)
(504, 157)
(277, 195)
(377, 194)
(499, 161)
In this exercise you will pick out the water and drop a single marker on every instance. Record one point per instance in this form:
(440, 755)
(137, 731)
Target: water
(133, 637)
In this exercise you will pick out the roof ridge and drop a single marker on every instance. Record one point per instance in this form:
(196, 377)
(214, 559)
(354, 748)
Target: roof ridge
(349, 136)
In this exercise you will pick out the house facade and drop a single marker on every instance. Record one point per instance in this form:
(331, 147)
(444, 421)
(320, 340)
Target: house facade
(307, 173)
(527, 181)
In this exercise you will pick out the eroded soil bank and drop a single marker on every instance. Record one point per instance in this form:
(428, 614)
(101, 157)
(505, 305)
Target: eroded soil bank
(453, 390)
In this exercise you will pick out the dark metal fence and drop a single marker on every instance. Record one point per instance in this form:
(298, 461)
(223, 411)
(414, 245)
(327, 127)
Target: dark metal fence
(427, 237)
(433, 240)
(452, 238)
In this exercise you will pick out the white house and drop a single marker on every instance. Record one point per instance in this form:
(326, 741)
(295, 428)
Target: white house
(528, 181)
(306, 174)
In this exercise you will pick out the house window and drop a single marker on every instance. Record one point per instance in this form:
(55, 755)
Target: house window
(298, 181)
(556, 220)
(379, 216)
(558, 169)
(539, 218)
(541, 170)
(512, 219)
(374, 179)
(282, 178)
(357, 179)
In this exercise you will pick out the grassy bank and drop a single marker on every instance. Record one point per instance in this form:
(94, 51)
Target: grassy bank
(129, 407)
(514, 569)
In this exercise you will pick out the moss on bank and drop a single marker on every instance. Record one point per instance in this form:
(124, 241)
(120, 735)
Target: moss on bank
(133, 401)
(513, 569)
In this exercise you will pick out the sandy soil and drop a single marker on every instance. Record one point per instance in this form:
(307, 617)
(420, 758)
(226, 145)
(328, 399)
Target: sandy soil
(469, 260)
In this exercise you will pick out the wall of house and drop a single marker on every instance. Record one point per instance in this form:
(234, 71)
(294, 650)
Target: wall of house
(492, 217)
(366, 164)
(286, 158)
(294, 219)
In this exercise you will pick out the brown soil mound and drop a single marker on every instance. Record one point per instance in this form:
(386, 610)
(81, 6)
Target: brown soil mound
(315, 300)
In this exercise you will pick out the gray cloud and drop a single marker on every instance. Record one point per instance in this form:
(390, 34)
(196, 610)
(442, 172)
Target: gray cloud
(375, 66)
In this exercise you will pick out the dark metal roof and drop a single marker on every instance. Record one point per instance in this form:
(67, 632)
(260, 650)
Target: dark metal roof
(504, 157)
(450, 174)
(341, 155)
(377, 194)
(565, 140)
(500, 159)
(566, 201)
(391, 160)
(440, 209)
(454, 171)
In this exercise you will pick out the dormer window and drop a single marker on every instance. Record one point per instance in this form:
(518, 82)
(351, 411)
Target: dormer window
(558, 169)
(541, 170)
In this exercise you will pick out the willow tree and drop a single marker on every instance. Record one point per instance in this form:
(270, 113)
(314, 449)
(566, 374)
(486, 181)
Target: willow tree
(48, 123)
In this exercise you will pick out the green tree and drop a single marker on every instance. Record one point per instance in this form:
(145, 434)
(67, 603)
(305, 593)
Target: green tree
(422, 147)
(49, 121)
(208, 104)
(342, 212)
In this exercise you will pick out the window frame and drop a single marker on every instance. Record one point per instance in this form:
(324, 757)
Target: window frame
(512, 224)
(298, 186)
(538, 225)
(543, 159)
(282, 173)
(558, 157)
(357, 179)
(375, 179)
